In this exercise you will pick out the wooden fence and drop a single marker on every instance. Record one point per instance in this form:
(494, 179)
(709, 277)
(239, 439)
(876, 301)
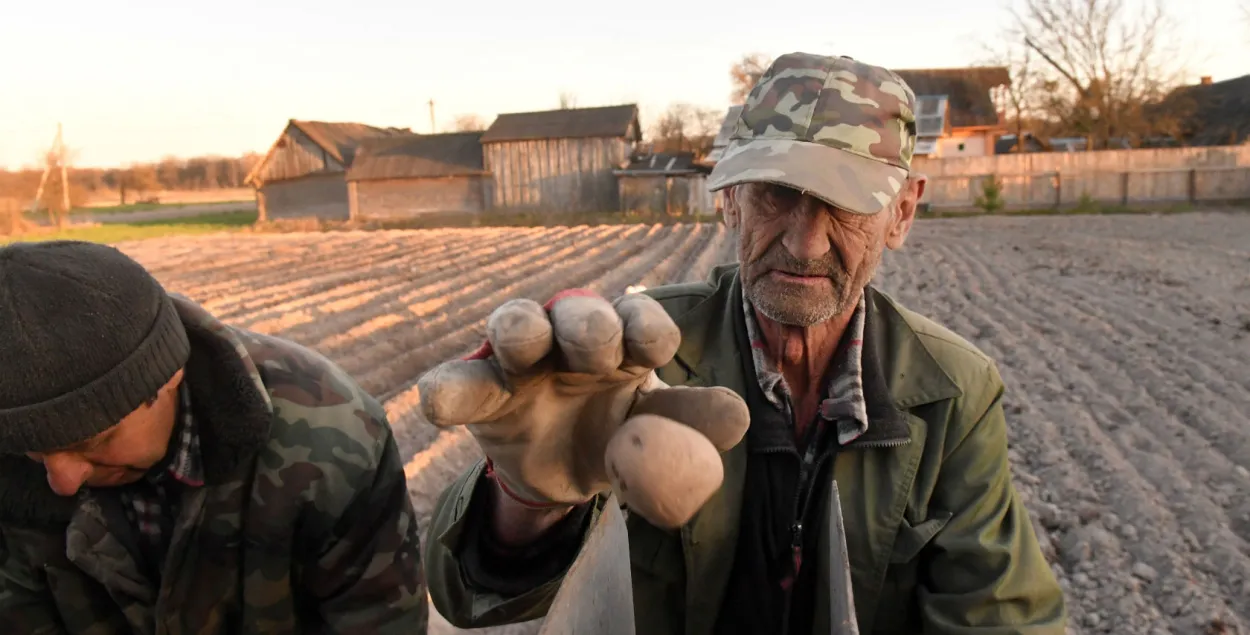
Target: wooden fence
(1120, 177)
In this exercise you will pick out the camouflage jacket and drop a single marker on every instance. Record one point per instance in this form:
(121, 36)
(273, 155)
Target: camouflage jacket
(304, 524)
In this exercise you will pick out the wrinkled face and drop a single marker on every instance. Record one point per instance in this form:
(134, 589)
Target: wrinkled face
(804, 261)
(120, 454)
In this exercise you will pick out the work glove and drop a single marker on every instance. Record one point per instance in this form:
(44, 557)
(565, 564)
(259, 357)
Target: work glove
(564, 400)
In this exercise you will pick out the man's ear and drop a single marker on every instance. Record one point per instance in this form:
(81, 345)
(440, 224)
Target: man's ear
(731, 213)
(905, 211)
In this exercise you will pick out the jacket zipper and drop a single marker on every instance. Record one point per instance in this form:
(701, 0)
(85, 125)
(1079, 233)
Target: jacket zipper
(802, 500)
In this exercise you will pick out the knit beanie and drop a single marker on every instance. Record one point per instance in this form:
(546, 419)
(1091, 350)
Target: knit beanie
(87, 336)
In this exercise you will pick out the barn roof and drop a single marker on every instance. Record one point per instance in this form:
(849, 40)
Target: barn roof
(967, 91)
(603, 121)
(1212, 114)
(340, 139)
(659, 164)
(416, 156)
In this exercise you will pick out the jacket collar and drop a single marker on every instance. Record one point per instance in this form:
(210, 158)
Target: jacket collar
(232, 411)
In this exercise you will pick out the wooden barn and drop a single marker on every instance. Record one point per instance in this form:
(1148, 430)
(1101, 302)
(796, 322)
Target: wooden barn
(304, 174)
(665, 183)
(560, 160)
(407, 175)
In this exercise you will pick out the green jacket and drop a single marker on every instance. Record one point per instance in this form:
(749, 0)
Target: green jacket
(303, 526)
(938, 539)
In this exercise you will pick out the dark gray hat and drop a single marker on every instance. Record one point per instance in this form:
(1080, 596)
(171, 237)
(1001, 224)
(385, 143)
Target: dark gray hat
(87, 335)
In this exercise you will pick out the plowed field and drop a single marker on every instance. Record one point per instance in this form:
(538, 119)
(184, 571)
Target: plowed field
(1124, 342)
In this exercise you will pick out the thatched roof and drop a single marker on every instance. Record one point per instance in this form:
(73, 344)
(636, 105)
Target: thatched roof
(605, 121)
(418, 156)
(967, 91)
(1211, 114)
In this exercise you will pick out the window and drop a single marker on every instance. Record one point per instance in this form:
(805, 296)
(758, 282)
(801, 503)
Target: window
(925, 146)
(930, 115)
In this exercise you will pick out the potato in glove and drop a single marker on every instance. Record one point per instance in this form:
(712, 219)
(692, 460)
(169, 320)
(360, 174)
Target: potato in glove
(565, 402)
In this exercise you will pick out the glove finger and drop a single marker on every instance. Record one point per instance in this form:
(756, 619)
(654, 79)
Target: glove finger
(460, 392)
(651, 336)
(663, 470)
(588, 334)
(520, 334)
(717, 412)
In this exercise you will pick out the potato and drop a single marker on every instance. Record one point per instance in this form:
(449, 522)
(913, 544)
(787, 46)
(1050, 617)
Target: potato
(662, 469)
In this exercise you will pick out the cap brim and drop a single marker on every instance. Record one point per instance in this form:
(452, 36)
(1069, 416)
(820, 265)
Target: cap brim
(841, 178)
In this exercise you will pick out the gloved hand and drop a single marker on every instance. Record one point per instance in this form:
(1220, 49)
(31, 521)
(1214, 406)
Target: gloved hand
(565, 403)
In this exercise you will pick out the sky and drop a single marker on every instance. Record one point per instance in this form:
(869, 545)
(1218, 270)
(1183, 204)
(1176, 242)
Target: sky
(139, 80)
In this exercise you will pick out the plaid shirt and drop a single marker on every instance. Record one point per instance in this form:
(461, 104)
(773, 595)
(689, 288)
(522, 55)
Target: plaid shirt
(151, 503)
(844, 400)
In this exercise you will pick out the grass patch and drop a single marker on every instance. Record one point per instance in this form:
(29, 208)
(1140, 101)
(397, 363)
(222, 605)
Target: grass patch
(117, 232)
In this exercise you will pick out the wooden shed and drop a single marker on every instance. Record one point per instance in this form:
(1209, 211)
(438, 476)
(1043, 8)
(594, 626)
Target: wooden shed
(304, 173)
(407, 175)
(560, 160)
(665, 183)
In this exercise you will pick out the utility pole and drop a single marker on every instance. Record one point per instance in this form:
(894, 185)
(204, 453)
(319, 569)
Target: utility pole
(56, 158)
(432, 130)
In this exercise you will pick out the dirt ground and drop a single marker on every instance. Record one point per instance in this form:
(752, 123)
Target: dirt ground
(1123, 340)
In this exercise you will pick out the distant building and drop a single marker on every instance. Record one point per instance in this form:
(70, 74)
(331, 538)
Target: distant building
(559, 160)
(1211, 113)
(955, 111)
(407, 175)
(304, 173)
(665, 183)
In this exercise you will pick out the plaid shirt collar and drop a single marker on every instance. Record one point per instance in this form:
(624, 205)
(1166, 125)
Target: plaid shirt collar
(152, 504)
(844, 400)
(184, 460)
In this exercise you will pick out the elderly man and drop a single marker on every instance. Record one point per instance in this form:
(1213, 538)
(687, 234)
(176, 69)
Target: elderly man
(161, 472)
(839, 382)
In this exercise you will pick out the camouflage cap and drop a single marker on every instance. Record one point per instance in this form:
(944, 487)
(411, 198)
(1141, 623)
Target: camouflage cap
(832, 127)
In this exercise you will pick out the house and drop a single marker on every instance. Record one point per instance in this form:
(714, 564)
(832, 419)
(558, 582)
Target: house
(664, 183)
(405, 175)
(955, 111)
(1211, 113)
(304, 172)
(560, 160)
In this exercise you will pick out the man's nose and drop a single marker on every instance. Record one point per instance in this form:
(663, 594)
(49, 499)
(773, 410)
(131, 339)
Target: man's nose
(66, 473)
(807, 233)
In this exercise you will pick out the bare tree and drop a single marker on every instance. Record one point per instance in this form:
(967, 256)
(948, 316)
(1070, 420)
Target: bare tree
(685, 128)
(1099, 65)
(567, 100)
(745, 73)
(468, 123)
(139, 178)
(1020, 99)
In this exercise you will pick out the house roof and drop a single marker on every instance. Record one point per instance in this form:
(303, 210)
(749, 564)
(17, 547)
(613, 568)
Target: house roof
(340, 139)
(967, 91)
(1212, 114)
(604, 121)
(659, 164)
(416, 156)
